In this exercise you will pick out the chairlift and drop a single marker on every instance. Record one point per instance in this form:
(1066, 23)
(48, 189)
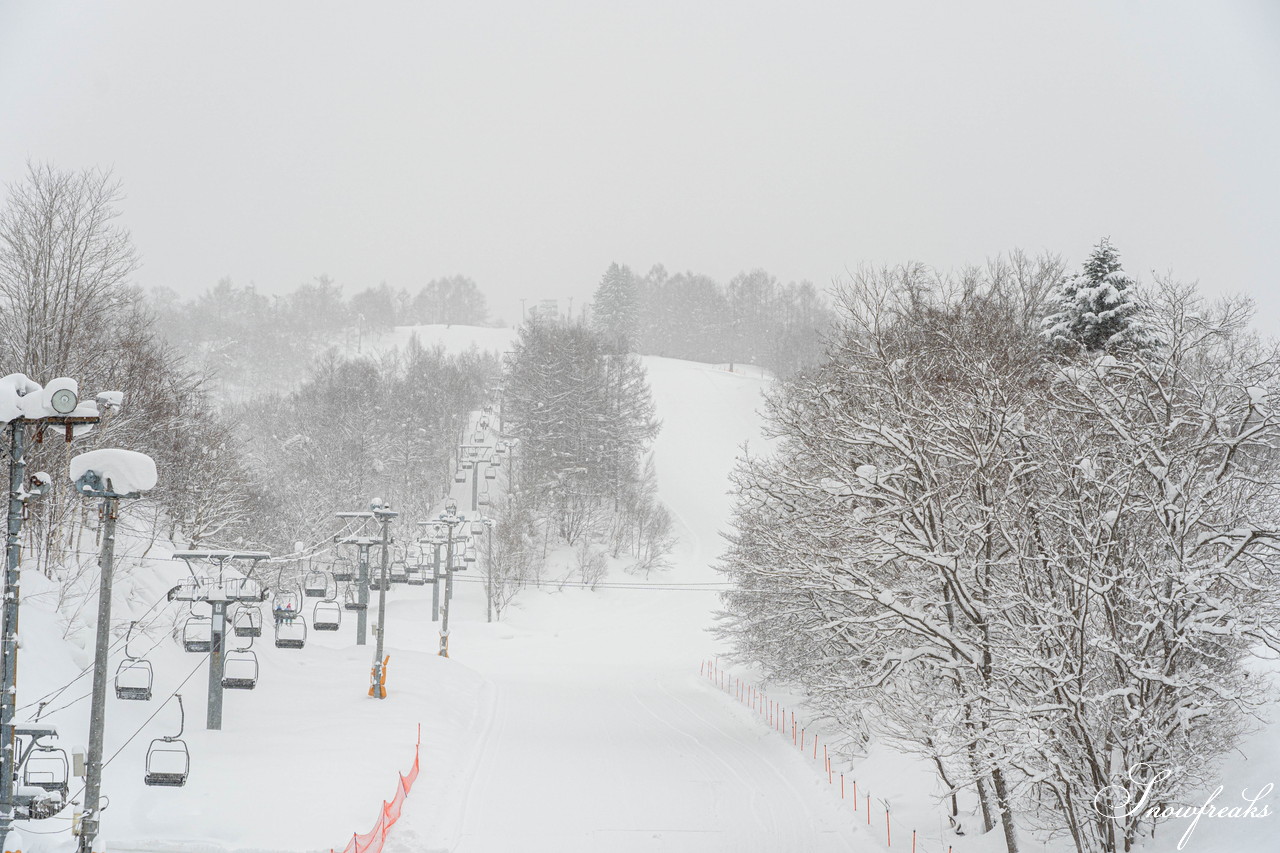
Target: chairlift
(491, 473)
(343, 570)
(47, 767)
(469, 557)
(168, 759)
(477, 527)
(188, 589)
(243, 589)
(468, 463)
(351, 601)
(291, 632)
(315, 584)
(478, 438)
(460, 476)
(415, 575)
(134, 675)
(240, 669)
(483, 498)
(377, 583)
(327, 615)
(288, 599)
(398, 572)
(195, 634)
(247, 621)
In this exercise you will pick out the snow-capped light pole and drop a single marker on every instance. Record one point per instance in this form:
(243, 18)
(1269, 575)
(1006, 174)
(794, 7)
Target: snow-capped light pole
(385, 515)
(111, 475)
(450, 519)
(23, 404)
(485, 525)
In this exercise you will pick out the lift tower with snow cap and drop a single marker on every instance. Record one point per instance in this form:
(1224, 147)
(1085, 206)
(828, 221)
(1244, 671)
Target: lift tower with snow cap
(218, 589)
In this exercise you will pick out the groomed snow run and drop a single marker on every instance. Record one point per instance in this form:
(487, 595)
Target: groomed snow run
(578, 723)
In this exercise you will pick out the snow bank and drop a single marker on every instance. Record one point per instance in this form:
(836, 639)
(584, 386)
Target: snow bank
(122, 471)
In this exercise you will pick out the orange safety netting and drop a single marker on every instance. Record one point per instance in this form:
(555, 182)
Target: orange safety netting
(372, 841)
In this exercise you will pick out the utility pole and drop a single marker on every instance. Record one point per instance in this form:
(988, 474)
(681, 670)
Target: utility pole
(435, 583)
(64, 402)
(95, 483)
(385, 514)
(488, 566)
(97, 715)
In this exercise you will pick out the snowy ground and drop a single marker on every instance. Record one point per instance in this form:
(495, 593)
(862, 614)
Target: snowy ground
(579, 723)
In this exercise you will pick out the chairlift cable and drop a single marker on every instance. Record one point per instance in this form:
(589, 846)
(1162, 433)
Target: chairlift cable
(160, 707)
(54, 694)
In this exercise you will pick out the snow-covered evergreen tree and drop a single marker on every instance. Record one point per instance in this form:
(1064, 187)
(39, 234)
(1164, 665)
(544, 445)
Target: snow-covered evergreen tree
(615, 307)
(1096, 309)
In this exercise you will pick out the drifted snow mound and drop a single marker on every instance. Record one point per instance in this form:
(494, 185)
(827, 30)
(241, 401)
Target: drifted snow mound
(122, 471)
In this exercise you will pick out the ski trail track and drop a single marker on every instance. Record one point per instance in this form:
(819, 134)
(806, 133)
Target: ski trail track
(602, 737)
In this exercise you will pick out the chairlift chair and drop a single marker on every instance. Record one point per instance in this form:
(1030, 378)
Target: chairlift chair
(460, 477)
(327, 615)
(343, 570)
(478, 438)
(240, 669)
(468, 464)
(415, 576)
(134, 675)
(134, 679)
(168, 759)
(289, 598)
(491, 473)
(291, 633)
(375, 581)
(315, 584)
(351, 600)
(195, 634)
(47, 767)
(188, 589)
(243, 589)
(247, 621)
(398, 572)
(483, 498)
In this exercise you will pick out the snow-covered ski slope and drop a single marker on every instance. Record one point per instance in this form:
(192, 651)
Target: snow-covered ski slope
(599, 734)
(577, 723)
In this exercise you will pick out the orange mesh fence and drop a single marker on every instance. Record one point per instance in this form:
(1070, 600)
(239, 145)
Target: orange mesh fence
(372, 841)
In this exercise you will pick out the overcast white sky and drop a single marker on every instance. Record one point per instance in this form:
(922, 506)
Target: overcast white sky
(528, 144)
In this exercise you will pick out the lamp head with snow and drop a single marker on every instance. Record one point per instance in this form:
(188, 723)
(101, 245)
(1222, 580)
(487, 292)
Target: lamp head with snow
(64, 401)
(112, 473)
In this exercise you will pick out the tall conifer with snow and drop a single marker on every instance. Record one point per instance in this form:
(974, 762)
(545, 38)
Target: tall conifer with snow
(1097, 309)
(615, 307)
